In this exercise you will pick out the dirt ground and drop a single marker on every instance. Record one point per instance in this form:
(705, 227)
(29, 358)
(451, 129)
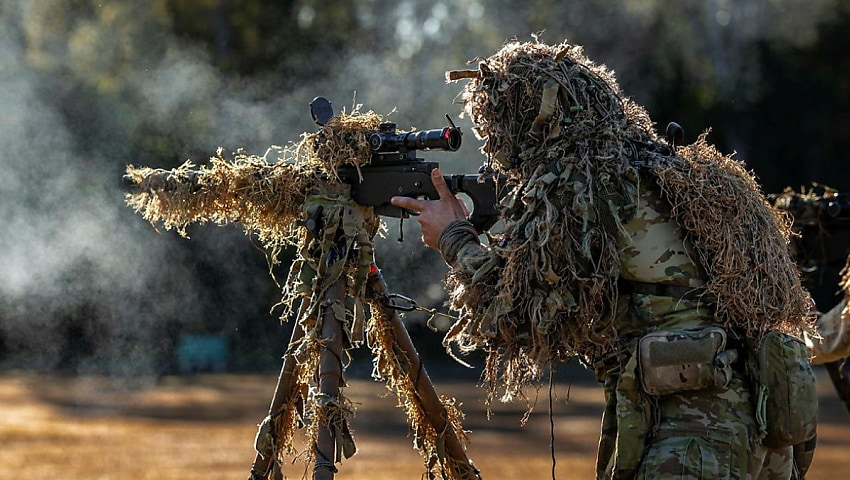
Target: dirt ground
(202, 427)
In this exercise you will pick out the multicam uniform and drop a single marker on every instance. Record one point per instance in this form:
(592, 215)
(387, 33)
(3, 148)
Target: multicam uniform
(706, 433)
(591, 264)
(660, 286)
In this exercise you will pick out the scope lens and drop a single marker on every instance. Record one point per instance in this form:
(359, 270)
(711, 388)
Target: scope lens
(445, 138)
(375, 142)
(453, 137)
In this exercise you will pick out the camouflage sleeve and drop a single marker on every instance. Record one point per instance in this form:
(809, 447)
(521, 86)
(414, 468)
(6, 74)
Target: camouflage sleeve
(832, 339)
(469, 258)
(456, 238)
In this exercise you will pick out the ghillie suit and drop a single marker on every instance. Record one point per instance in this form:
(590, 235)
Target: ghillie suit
(299, 200)
(592, 186)
(577, 150)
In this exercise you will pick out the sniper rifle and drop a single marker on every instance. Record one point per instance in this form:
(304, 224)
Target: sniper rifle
(395, 170)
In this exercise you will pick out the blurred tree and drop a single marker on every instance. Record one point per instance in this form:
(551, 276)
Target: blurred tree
(802, 122)
(155, 83)
(297, 40)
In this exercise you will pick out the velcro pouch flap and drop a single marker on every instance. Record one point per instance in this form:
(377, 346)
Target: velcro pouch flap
(681, 360)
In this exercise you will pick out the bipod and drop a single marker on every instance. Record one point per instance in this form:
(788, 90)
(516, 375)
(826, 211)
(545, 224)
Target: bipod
(425, 395)
(436, 427)
(265, 442)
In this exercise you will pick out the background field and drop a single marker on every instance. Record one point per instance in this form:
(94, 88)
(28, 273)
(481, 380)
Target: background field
(202, 427)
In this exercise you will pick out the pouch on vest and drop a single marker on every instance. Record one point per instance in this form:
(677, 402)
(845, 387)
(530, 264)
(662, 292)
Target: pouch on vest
(674, 361)
(786, 398)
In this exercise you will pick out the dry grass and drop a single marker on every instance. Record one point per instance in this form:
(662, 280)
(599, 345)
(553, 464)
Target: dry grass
(202, 427)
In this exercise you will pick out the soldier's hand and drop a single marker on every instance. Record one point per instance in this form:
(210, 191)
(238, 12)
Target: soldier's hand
(435, 215)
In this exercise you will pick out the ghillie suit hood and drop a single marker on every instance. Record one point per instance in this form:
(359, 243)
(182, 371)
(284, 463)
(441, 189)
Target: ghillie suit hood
(573, 148)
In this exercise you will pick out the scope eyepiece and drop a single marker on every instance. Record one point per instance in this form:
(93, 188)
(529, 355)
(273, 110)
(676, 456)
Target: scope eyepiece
(446, 138)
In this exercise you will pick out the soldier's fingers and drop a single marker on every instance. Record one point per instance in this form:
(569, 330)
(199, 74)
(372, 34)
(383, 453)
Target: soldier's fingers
(440, 185)
(408, 203)
(463, 207)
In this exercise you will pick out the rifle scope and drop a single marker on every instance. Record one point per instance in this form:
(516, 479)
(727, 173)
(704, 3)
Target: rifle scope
(388, 140)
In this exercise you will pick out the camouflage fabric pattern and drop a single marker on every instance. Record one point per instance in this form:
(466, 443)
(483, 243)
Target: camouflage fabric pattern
(706, 434)
(709, 435)
(778, 464)
(701, 435)
(654, 251)
(833, 341)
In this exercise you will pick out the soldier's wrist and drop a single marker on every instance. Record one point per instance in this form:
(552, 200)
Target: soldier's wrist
(456, 234)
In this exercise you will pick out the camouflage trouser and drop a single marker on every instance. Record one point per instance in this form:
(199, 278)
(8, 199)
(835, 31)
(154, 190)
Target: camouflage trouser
(702, 435)
(778, 464)
(694, 436)
(702, 457)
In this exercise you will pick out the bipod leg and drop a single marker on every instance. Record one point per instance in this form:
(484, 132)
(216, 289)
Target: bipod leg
(426, 394)
(266, 451)
(330, 378)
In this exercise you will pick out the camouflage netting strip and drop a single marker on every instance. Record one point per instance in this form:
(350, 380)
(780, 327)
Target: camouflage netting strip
(546, 290)
(247, 190)
(390, 365)
(267, 199)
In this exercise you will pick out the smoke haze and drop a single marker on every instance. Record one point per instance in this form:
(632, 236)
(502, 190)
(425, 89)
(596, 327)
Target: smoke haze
(84, 95)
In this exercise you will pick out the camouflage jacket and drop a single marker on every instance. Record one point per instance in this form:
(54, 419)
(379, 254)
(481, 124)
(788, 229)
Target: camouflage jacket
(654, 250)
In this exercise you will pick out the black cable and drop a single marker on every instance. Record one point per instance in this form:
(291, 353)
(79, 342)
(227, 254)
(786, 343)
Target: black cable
(551, 423)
